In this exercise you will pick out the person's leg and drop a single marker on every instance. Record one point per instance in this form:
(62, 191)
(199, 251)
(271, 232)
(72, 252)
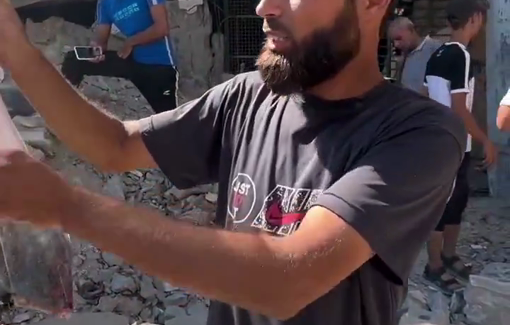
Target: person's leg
(158, 84)
(434, 249)
(112, 66)
(435, 271)
(452, 226)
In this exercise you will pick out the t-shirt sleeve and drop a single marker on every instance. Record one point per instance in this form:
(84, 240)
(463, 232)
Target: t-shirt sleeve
(155, 2)
(397, 192)
(427, 72)
(102, 15)
(458, 71)
(506, 100)
(186, 142)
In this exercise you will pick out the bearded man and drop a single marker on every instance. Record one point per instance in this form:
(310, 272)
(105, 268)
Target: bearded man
(330, 178)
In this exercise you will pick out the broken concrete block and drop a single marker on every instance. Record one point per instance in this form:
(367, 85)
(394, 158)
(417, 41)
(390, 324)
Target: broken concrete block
(32, 121)
(35, 138)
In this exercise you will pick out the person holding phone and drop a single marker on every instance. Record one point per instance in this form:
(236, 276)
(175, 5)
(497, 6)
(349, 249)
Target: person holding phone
(146, 59)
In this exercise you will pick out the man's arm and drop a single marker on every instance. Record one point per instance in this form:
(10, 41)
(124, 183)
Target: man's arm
(424, 90)
(103, 25)
(102, 35)
(95, 135)
(458, 72)
(460, 108)
(398, 190)
(155, 32)
(503, 119)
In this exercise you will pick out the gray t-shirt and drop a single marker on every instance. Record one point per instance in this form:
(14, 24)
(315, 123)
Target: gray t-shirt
(415, 63)
(384, 162)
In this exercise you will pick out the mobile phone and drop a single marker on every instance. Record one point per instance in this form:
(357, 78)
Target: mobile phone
(88, 52)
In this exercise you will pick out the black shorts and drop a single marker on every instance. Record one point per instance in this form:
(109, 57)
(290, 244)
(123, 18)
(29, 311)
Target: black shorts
(457, 203)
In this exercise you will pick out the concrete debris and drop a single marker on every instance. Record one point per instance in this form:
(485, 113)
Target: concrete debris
(488, 296)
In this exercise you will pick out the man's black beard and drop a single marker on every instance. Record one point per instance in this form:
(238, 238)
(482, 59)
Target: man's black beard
(318, 58)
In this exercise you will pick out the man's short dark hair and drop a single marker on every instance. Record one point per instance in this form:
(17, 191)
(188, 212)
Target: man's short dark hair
(459, 12)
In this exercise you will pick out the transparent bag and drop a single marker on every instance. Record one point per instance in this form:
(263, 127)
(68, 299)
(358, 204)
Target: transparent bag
(35, 265)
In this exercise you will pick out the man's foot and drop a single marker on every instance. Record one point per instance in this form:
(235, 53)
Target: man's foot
(457, 268)
(440, 279)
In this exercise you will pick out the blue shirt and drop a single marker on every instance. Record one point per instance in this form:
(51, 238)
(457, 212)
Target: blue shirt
(132, 17)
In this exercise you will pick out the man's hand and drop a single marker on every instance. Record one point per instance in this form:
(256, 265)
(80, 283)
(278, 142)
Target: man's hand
(31, 191)
(491, 154)
(11, 31)
(126, 50)
(99, 58)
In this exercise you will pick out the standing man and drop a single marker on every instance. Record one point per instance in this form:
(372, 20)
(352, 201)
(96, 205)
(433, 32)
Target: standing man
(504, 113)
(330, 178)
(416, 52)
(449, 79)
(146, 57)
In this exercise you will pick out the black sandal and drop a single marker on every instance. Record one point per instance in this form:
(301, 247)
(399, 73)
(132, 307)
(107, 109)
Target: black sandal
(456, 267)
(441, 280)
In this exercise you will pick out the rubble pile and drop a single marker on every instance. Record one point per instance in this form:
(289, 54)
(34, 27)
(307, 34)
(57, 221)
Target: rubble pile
(484, 301)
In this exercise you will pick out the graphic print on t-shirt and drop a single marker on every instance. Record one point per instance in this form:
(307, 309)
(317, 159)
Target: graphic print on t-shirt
(242, 198)
(284, 208)
(280, 213)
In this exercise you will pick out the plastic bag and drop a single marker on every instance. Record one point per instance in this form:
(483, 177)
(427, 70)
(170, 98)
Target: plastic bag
(36, 265)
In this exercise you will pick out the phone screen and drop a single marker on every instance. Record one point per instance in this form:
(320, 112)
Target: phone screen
(87, 52)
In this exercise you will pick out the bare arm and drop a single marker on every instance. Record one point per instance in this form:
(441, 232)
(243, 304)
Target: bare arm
(95, 135)
(157, 31)
(295, 270)
(425, 91)
(503, 120)
(102, 34)
(459, 106)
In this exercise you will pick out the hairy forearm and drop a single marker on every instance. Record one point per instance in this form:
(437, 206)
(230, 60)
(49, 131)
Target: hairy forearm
(254, 271)
(151, 34)
(75, 121)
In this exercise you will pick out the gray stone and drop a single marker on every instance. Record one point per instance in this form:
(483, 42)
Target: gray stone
(121, 283)
(129, 306)
(111, 259)
(20, 318)
(114, 188)
(107, 304)
(147, 289)
(172, 312)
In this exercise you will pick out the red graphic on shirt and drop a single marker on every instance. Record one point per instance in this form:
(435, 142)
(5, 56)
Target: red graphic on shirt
(284, 208)
(242, 198)
(275, 217)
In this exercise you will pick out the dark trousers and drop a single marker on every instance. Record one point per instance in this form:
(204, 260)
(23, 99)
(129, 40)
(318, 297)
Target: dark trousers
(457, 203)
(157, 83)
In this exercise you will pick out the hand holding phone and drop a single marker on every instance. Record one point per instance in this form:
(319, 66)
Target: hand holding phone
(88, 53)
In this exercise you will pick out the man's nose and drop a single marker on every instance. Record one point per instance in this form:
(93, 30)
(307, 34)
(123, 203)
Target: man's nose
(269, 8)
